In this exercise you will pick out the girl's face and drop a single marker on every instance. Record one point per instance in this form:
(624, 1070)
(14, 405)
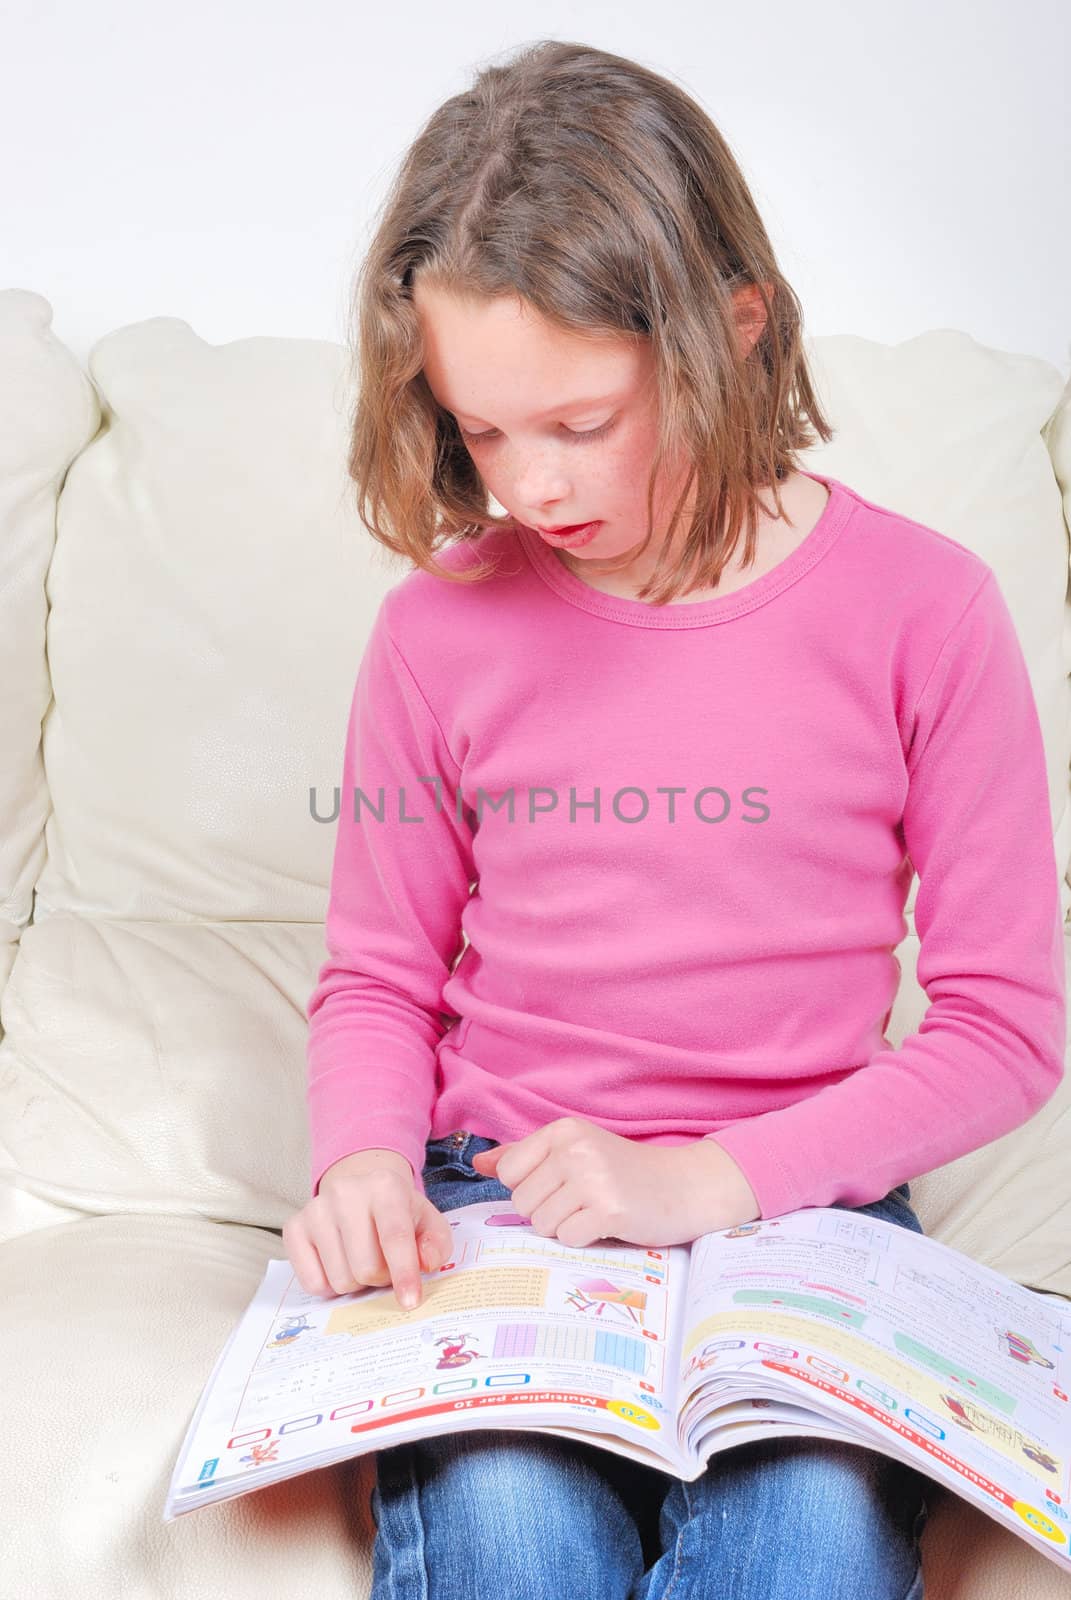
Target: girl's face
(561, 429)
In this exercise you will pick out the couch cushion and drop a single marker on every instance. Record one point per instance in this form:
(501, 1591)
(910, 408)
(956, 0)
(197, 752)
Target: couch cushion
(48, 412)
(111, 1329)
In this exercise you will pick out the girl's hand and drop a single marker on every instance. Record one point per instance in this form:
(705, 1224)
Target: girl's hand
(369, 1226)
(577, 1182)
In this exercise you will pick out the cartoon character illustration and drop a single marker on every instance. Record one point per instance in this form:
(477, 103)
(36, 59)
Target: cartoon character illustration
(455, 1354)
(291, 1328)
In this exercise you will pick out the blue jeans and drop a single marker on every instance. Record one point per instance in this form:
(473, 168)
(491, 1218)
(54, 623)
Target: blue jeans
(504, 1515)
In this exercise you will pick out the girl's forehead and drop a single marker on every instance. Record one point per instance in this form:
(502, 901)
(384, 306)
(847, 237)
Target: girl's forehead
(478, 351)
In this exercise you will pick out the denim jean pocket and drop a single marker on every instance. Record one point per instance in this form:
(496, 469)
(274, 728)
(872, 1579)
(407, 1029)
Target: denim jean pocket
(441, 1156)
(451, 1156)
(447, 1155)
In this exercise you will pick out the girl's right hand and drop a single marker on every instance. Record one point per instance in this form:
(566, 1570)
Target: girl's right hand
(366, 1227)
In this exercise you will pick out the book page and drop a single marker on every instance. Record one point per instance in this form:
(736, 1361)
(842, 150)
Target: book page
(514, 1329)
(898, 1335)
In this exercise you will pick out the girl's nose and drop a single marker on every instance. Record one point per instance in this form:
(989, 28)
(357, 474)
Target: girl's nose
(541, 485)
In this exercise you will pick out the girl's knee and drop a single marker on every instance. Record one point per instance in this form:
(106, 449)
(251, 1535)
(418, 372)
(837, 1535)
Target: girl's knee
(499, 1482)
(517, 1512)
(810, 1516)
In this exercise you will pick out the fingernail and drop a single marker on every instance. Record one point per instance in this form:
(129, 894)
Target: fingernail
(408, 1299)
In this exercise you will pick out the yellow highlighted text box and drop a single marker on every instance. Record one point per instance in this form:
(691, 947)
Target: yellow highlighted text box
(479, 1289)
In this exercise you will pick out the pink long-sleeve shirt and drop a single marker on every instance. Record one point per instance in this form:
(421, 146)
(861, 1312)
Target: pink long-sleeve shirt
(679, 841)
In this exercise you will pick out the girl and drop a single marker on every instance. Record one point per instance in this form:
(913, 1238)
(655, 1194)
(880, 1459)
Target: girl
(635, 812)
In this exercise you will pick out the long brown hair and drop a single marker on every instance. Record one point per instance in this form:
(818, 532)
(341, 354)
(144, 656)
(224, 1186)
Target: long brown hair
(603, 195)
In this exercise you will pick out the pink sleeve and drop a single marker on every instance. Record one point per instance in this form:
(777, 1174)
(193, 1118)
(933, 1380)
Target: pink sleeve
(393, 924)
(990, 1049)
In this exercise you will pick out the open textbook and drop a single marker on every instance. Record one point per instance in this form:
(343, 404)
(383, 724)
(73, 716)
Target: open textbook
(820, 1322)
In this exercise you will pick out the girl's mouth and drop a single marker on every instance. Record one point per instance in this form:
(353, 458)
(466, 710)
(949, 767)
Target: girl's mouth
(572, 537)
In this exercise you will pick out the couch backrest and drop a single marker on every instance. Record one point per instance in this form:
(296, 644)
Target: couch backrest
(209, 590)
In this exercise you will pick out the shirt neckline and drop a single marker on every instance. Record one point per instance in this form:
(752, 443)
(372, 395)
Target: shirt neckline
(697, 613)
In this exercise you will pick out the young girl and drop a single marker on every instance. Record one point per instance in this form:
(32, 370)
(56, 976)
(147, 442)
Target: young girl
(630, 814)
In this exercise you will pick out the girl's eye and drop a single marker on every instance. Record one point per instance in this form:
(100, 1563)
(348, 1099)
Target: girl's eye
(570, 434)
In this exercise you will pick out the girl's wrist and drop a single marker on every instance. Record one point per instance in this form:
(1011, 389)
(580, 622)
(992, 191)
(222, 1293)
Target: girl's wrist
(364, 1160)
(730, 1192)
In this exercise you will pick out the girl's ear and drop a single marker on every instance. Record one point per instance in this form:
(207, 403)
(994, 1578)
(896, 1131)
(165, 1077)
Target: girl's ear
(750, 315)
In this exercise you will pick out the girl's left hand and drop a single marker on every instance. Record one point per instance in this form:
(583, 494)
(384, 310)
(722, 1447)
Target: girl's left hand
(578, 1182)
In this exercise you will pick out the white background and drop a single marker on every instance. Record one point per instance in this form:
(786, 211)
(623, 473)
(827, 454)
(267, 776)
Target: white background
(221, 162)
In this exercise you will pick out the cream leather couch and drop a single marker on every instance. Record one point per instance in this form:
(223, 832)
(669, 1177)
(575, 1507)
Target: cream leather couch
(184, 601)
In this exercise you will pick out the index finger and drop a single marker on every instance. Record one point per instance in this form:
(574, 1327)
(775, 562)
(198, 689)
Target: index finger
(397, 1240)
